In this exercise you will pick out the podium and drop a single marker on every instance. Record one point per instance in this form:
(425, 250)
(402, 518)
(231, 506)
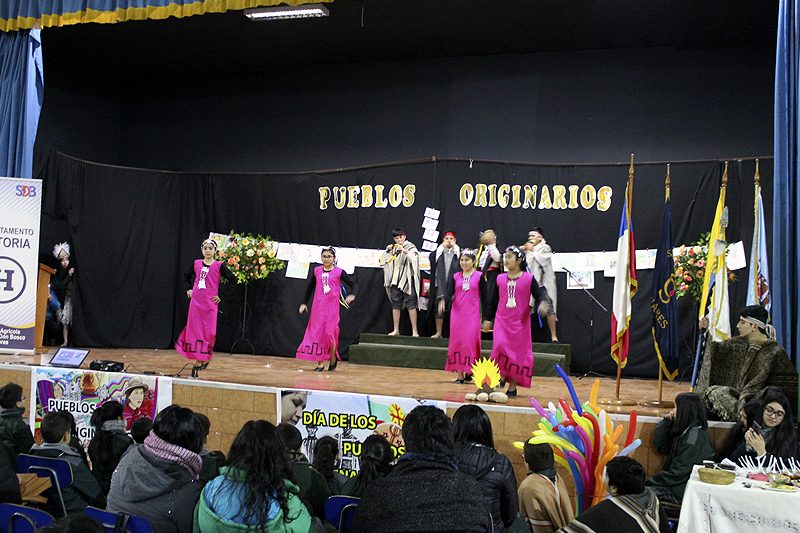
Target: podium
(42, 294)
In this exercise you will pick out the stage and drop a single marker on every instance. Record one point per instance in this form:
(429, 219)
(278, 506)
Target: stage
(286, 372)
(237, 388)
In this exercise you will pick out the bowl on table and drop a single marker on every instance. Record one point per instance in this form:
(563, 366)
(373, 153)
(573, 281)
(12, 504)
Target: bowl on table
(715, 476)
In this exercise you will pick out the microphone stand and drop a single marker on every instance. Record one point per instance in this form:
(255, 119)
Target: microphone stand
(592, 302)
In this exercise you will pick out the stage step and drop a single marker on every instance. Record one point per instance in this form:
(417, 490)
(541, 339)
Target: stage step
(565, 350)
(419, 352)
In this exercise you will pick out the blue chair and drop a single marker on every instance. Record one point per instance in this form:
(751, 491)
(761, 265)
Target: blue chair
(58, 470)
(340, 510)
(20, 519)
(119, 522)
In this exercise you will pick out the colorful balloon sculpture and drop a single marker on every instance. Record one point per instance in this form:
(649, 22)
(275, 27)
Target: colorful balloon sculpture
(584, 439)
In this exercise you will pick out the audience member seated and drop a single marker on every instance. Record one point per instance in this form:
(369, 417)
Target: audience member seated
(140, 429)
(475, 455)
(735, 371)
(14, 431)
(326, 460)
(9, 482)
(543, 497)
(776, 435)
(631, 508)
(109, 444)
(78, 523)
(312, 485)
(212, 461)
(74, 439)
(375, 462)
(255, 490)
(683, 437)
(735, 447)
(160, 480)
(84, 491)
(424, 491)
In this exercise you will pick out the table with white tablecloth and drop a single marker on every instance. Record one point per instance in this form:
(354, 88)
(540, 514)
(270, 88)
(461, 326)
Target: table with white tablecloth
(708, 508)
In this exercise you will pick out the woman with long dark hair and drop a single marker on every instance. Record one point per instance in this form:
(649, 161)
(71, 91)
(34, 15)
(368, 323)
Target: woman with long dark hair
(325, 460)
(475, 454)
(777, 435)
(735, 446)
(109, 443)
(375, 462)
(255, 491)
(683, 437)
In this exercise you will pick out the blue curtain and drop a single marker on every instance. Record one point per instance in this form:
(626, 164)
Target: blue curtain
(785, 288)
(21, 91)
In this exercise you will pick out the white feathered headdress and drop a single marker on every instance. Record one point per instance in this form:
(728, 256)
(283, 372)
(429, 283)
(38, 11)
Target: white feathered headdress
(61, 250)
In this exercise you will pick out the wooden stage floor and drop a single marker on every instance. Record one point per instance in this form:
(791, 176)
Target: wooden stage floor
(285, 372)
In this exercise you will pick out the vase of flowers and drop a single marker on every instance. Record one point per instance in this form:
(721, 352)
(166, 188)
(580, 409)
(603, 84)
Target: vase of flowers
(690, 268)
(250, 257)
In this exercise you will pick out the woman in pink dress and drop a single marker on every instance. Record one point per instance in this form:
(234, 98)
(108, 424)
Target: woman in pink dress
(196, 341)
(321, 340)
(464, 293)
(511, 347)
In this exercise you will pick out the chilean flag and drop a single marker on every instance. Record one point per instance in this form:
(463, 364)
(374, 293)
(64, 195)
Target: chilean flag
(625, 285)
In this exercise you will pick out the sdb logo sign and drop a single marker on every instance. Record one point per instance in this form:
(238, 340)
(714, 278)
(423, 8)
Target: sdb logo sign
(12, 280)
(27, 191)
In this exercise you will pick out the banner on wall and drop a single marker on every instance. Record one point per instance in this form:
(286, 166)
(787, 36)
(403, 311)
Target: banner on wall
(82, 391)
(21, 205)
(348, 418)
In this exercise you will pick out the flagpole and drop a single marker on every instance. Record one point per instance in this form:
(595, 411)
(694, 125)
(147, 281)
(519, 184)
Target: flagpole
(616, 401)
(704, 296)
(660, 403)
(755, 251)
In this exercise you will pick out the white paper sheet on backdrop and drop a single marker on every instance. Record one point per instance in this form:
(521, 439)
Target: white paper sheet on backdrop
(297, 269)
(429, 246)
(346, 259)
(430, 235)
(432, 213)
(736, 258)
(430, 223)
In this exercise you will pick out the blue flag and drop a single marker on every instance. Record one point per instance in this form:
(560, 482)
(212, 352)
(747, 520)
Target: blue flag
(663, 304)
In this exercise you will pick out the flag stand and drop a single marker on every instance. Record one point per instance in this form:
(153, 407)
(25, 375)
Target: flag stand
(617, 401)
(660, 403)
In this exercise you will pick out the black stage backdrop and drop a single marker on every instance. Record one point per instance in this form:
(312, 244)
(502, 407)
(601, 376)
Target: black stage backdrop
(135, 231)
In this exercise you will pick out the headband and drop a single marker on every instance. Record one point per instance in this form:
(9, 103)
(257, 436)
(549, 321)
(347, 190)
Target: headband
(210, 241)
(768, 328)
(451, 234)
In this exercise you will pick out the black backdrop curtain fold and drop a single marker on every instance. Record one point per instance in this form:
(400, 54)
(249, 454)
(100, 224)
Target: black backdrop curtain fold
(134, 232)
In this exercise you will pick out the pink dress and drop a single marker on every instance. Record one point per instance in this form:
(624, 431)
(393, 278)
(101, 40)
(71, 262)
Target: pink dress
(322, 333)
(197, 339)
(512, 348)
(464, 347)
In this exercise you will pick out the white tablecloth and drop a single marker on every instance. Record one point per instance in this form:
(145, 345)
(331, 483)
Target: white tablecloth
(723, 508)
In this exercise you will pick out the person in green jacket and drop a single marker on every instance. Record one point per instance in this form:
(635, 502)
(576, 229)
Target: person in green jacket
(683, 437)
(255, 492)
(14, 431)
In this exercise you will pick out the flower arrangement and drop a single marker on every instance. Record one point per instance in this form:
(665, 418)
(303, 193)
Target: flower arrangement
(250, 257)
(690, 268)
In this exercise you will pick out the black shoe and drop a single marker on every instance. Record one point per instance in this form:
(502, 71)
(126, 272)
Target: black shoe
(332, 367)
(511, 393)
(468, 378)
(194, 371)
(319, 369)
(459, 381)
(203, 366)
(502, 382)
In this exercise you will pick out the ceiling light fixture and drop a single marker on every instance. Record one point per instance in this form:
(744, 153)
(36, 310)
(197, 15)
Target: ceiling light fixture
(287, 12)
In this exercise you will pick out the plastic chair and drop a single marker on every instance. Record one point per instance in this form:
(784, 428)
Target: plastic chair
(340, 510)
(119, 522)
(20, 519)
(673, 512)
(58, 470)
